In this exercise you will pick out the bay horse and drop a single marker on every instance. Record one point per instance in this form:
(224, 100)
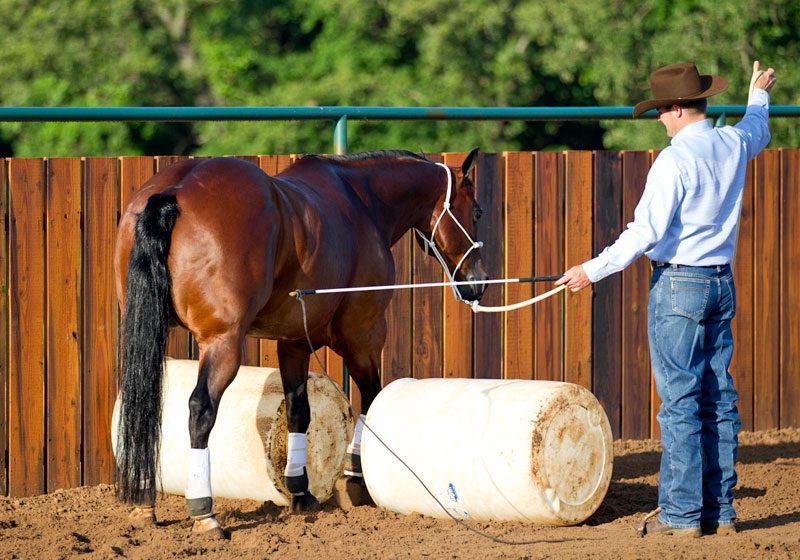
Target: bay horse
(217, 245)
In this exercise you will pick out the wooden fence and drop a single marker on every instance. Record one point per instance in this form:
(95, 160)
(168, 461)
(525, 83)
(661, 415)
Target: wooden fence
(543, 212)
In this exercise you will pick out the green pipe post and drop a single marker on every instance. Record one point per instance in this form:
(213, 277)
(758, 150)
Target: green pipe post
(339, 148)
(340, 136)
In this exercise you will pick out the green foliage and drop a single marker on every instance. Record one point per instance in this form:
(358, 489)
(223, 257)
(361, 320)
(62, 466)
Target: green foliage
(350, 52)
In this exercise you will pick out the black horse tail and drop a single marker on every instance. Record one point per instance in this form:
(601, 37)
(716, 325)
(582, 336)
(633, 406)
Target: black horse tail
(145, 324)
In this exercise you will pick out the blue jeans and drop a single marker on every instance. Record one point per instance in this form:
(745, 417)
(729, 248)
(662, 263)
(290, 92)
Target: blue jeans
(691, 344)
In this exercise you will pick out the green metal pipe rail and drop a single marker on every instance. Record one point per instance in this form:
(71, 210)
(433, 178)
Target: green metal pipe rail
(340, 115)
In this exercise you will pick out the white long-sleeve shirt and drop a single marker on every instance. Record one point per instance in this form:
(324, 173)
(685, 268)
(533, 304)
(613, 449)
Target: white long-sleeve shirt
(690, 208)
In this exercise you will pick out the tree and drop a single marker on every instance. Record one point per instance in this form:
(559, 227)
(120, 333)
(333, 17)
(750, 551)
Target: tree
(613, 48)
(346, 52)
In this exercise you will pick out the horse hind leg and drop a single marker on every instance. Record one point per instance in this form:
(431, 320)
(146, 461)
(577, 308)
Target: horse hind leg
(219, 363)
(293, 361)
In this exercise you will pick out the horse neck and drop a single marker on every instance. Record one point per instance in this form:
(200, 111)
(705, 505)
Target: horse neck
(406, 194)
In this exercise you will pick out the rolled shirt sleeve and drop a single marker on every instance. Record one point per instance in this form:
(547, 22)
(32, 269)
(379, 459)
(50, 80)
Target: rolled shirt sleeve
(754, 126)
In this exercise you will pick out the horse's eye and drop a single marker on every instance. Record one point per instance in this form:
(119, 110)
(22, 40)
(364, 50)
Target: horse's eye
(477, 211)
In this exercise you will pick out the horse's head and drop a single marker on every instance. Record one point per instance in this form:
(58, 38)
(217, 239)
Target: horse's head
(453, 230)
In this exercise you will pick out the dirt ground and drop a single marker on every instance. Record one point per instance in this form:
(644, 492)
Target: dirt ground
(89, 523)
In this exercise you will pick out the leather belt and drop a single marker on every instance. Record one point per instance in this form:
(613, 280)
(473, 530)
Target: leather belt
(659, 264)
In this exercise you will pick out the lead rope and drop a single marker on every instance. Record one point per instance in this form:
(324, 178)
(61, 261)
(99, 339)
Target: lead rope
(477, 308)
(461, 522)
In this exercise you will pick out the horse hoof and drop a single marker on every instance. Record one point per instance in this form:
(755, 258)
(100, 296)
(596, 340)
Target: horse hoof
(350, 492)
(141, 517)
(305, 503)
(208, 527)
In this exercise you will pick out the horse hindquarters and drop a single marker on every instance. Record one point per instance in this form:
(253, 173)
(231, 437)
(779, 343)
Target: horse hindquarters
(145, 325)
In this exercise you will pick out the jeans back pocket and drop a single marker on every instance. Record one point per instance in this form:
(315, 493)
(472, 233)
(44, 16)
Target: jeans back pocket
(689, 295)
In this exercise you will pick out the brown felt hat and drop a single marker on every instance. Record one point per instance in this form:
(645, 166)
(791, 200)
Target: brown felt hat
(679, 83)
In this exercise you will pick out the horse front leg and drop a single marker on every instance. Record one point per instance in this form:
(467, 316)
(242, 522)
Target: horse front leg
(219, 363)
(361, 350)
(293, 361)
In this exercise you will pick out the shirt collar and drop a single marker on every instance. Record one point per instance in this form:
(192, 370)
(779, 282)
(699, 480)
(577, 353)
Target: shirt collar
(691, 129)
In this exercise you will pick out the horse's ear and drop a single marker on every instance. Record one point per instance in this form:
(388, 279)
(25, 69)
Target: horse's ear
(469, 162)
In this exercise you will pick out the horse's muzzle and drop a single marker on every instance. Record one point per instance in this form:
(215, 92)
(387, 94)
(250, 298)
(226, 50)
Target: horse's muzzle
(472, 292)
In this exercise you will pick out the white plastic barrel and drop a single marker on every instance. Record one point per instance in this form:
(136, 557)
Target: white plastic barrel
(539, 451)
(248, 442)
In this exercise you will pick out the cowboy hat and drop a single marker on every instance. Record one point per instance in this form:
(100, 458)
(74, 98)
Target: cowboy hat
(679, 83)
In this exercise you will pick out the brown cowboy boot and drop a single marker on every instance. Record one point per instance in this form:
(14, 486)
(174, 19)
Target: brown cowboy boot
(652, 525)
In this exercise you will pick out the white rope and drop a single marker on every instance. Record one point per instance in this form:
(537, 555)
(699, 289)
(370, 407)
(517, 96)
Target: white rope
(422, 285)
(477, 308)
(474, 305)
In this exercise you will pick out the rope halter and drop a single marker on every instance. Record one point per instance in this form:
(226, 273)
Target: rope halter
(430, 244)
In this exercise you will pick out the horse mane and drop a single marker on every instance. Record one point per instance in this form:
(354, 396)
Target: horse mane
(368, 156)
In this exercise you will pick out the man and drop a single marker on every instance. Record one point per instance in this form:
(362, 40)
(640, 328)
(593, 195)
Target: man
(686, 223)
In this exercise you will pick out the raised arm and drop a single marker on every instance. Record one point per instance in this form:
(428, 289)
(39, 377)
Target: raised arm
(754, 126)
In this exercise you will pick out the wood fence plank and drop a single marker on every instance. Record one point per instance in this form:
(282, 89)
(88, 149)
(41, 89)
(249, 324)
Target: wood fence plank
(134, 171)
(335, 367)
(518, 339)
(179, 340)
(548, 260)
(655, 400)
(741, 368)
(635, 286)
(62, 323)
(457, 323)
(607, 327)
(100, 315)
(427, 313)
(578, 217)
(790, 290)
(766, 339)
(488, 330)
(352, 389)
(396, 357)
(4, 331)
(26, 410)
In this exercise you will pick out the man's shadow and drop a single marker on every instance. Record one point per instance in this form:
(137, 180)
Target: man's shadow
(628, 495)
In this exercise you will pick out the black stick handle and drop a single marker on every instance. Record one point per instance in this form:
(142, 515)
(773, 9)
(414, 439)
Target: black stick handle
(552, 278)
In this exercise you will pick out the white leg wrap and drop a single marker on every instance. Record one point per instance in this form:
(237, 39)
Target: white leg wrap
(355, 445)
(296, 454)
(199, 482)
